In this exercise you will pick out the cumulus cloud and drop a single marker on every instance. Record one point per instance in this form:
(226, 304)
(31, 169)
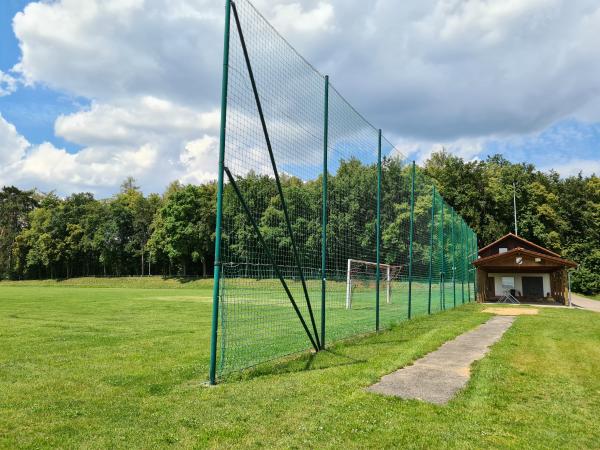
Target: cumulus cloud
(200, 158)
(132, 121)
(12, 144)
(114, 49)
(431, 73)
(8, 84)
(574, 167)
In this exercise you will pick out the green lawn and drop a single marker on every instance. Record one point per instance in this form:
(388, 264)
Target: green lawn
(125, 367)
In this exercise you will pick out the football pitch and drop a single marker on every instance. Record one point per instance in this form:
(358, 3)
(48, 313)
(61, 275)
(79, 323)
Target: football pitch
(91, 366)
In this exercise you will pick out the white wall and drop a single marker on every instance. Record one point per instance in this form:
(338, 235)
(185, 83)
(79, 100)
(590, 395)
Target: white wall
(518, 281)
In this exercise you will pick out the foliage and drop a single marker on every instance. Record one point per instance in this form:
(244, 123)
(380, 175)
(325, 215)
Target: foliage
(562, 214)
(132, 234)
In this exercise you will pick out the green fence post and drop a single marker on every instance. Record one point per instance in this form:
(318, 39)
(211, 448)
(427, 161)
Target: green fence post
(219, 212)
(411, 238)
(462, 258)
(476, 250)
(469, 264)
(324, 211)
(443, 267)
(431, 246)
(378, 228)
(453, 219)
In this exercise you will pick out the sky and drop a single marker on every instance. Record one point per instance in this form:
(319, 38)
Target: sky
(93, 91)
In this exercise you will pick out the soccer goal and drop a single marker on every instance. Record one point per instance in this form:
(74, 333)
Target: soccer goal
(364, 273)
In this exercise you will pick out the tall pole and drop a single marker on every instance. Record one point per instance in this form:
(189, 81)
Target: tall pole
(453, 258)
(378, 228)
(411, 238)
(462, 258)
(443, 268)
(569, 278)
(515, 207)
(431, 247)
(219, 213)
(324, 211)
(476, 253)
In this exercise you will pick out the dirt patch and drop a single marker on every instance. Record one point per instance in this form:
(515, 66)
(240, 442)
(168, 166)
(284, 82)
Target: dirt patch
(512, 311)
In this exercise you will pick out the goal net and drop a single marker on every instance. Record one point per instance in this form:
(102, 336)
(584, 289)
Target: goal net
(362, 276)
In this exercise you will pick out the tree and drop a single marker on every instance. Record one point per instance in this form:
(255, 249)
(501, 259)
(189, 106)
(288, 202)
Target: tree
(15, 206)
(184, 228)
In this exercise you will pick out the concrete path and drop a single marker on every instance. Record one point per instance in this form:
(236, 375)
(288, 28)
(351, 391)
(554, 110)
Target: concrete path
(585, 303)
(438, 376)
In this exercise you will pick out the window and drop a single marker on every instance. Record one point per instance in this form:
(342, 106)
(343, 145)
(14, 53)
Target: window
(502, 250)
(508, 282)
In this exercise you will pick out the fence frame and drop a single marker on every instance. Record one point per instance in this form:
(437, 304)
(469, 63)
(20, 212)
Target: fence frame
(467, 236)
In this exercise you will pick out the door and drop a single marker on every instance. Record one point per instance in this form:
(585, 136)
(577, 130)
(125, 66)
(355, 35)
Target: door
(533, 287)
(490, 288)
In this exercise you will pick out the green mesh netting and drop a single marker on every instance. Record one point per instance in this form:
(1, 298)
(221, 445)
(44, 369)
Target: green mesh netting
(270, 296)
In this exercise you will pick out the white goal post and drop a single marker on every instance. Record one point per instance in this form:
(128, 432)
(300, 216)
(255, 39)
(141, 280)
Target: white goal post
(356, 266)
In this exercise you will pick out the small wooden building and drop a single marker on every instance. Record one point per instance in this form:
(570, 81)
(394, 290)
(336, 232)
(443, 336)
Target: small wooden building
(530, 272)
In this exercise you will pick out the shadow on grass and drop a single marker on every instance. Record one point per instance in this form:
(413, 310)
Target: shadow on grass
(305, 362)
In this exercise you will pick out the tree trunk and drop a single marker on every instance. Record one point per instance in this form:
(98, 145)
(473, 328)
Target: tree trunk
(142, 261)
(203, 268)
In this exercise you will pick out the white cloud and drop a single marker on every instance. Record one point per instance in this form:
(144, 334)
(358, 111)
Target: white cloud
(114, 49)
(432, 73)
(574, 166)
(200, 158)
(420, 151)
(8, 84)
(292, 17)
(12, 144)
(135, 120)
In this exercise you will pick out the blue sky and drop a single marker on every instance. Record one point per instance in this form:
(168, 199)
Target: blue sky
(34, 109)
(93, 91)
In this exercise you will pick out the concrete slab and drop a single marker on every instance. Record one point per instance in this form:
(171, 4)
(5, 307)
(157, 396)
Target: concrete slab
(438, 376)
(511, 311)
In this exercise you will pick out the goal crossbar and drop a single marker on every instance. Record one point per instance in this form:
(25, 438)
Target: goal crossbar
(389, 269)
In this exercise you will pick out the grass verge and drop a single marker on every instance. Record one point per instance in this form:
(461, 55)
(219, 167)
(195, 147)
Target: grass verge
(126, 367)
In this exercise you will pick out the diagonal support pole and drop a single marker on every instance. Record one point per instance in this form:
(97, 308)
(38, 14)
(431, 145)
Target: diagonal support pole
(274, 165)
(269, 256)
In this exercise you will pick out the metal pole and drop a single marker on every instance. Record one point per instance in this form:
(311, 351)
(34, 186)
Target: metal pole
(476, 250)
(469, 264)
(349, 285)
(443, 268)
(388, 285)
(274, 167)
(453, 258)
(569, 278)
(217, 265)
(462, 258)
(431, 246)
(515, 207)
(270, 256)
(324, 211)
(378, 228)
(411, 238)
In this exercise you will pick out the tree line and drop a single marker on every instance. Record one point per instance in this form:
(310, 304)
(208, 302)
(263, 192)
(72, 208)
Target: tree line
(562, 214)
(45, 236)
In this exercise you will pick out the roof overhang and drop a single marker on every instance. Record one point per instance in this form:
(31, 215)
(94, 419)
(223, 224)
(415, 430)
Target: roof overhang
(519, 238)
(508, 261)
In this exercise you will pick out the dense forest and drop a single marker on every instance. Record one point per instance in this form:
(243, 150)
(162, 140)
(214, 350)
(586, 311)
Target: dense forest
(45, 236)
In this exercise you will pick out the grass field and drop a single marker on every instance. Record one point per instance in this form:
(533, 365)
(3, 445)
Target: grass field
(258, 323)
(101, 367)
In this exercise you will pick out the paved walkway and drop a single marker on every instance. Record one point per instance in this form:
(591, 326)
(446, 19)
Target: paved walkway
(585, 303)
(439, 375)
